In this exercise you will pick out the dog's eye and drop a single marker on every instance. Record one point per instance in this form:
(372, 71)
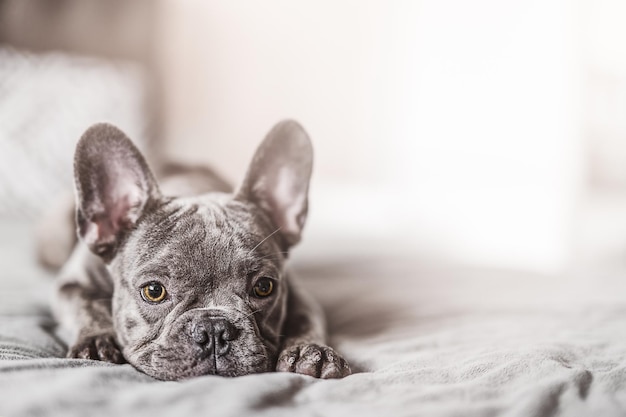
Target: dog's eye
(153, 292)
(263, 287)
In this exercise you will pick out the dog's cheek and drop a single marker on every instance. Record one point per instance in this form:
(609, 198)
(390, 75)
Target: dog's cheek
(249, 357)
(142, 360)
(127, 322)
(270, 327)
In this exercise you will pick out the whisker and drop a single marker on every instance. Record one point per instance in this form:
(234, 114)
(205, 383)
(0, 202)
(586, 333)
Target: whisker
(254, 312)
(246, 315)
(275, 255)
(261, 242)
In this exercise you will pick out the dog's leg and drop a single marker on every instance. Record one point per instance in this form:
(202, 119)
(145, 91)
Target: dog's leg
(304, 348)
(114, 187)
(56, 234)
(83, 307)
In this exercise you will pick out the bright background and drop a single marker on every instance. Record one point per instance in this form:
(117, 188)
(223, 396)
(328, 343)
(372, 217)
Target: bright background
(488, 133)
(484, 132)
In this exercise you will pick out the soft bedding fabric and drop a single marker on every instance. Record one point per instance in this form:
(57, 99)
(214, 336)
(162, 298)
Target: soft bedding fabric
(424, 340)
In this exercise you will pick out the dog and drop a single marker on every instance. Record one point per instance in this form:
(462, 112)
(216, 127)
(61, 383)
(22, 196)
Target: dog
(183, 285)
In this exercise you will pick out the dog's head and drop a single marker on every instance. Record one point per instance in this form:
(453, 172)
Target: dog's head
(199, 282)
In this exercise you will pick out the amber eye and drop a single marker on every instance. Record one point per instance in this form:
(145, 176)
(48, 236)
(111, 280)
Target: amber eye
(263, 287)
(153, 292)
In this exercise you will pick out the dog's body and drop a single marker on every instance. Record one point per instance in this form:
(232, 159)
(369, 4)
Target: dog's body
(182, 286)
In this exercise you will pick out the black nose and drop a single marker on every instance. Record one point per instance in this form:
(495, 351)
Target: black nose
(214, 334)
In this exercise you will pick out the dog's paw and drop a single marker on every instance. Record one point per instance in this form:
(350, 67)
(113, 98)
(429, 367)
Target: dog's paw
(314, 360)
(100, 347)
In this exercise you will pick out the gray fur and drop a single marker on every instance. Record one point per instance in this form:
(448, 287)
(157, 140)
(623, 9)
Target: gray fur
(208, 251)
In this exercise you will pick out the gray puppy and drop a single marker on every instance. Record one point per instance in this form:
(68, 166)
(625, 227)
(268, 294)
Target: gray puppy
(187, 286)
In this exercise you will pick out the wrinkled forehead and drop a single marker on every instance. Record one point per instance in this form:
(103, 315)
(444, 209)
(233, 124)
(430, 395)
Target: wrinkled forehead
(211, 235)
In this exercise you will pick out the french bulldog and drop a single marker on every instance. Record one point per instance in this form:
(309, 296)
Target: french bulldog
(181, 286)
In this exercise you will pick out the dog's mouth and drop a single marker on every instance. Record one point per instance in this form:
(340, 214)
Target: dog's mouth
(184, 362)
(203, 343)
(211, 365)
(218, 361)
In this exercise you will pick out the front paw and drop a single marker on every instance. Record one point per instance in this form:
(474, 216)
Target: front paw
(314, 360)
(100, 347)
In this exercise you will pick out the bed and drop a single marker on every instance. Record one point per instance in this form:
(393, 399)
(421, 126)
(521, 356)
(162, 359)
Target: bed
(423, 339)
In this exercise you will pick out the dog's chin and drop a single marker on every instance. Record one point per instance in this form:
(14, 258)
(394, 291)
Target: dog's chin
(165, 365)
(198, 371)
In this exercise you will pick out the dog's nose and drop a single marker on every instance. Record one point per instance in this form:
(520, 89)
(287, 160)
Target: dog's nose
(214, 334)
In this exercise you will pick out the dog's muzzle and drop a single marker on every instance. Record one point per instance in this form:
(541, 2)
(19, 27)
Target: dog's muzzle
(213, 335)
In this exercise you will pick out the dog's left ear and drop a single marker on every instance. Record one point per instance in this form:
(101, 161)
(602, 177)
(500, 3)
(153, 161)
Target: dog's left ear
(114, 188)
(278, 177)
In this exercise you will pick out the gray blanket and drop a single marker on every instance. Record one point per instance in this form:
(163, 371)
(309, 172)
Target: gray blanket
(424, 339)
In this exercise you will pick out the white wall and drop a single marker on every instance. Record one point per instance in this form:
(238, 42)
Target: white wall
(441, 128)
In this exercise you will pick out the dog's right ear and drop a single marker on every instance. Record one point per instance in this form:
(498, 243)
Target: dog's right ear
(114, 187)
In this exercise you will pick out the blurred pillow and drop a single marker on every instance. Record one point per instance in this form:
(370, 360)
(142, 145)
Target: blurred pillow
(46, 103)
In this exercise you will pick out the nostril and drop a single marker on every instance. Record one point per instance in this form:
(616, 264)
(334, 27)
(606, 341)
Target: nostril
(214, 335)
(199, 334)
(224, 330)
(230, 332)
